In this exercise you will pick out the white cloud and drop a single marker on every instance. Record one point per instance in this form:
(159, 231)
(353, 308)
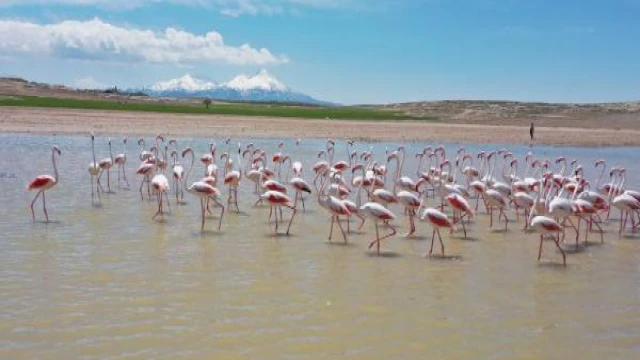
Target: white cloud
(231, 8)
(88, 83)
(97, 40)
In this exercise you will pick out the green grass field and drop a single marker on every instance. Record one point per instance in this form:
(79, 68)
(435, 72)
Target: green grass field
(247, 109)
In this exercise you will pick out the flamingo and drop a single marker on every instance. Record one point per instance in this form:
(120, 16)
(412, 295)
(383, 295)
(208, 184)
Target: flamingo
(335, 207)
(106, 164)
(232, 180)
(297, 165)
(121, 160)
(411, 203)
(438, 220)
(299, 186)
(160, 185)
(202, 190)
(43, 183)
(377, 213)
(627, 204)
(494, 199)
(146, 169)
(461, 208)
(94, 169)
(178, 176)
(278, 200)
(545, 226)
(144, 154)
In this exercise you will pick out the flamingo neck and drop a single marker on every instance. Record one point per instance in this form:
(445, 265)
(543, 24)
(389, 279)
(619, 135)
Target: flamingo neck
(55, 168)
(185, 181)
(93, 150)
(601, 175)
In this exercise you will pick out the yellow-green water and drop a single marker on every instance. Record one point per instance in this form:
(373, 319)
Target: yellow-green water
(108, 282)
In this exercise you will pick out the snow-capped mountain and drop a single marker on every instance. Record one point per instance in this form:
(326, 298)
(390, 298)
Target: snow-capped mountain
(262, 87)
(186, 83)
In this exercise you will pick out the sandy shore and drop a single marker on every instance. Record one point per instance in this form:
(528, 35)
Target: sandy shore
(71, 121)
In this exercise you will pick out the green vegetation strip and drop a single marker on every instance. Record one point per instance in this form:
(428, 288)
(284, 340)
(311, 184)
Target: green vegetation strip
(246, 109)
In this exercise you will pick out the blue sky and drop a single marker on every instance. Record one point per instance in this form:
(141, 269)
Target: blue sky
(349, 51)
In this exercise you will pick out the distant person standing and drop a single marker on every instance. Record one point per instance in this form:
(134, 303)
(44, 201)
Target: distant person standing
(532, 129)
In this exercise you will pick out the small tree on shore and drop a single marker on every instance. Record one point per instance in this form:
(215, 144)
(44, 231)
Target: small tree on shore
(207, 103)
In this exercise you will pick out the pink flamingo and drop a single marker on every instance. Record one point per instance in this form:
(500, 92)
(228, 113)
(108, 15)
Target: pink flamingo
(232, 180)
(43, 183)
(202, 190)
(146, 169)
(160, 185)
(106, 164)
(335, 207)
(299, 186)
(377, 213)
(94, 169)
(438, 220)
(494, 199)
(278, 200)
(461, 208)
(545, 226)
(121, 160)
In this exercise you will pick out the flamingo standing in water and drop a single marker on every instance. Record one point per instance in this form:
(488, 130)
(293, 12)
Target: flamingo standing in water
(278, 200)
(437, 220)
(378, 213)
(43, 183)
(106, 164)
(545, 226)
(232, 180)
(335, 207)
(202, 190)
(178, 177)
(94, 169)
(160, 185)
(121, 160)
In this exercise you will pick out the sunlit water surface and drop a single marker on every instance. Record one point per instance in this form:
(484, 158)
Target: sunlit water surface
(108, 282)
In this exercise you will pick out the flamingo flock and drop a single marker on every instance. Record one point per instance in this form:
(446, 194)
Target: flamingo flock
(550, 197)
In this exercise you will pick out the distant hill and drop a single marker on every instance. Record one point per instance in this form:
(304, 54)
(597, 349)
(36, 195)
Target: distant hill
(614, 115)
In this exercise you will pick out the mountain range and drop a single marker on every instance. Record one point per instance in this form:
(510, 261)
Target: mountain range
(261, 87)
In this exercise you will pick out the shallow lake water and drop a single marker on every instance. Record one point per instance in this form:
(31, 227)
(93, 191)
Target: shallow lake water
(108, 282)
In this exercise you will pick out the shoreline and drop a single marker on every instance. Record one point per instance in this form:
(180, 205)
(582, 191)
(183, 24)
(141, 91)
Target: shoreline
(28, 120)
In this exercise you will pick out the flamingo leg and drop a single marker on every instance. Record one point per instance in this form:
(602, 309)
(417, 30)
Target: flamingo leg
(159, 199)
(564, 257)
(344, 235)
(44, 206)
(33, 214)
(333, 218)
(540, 248)
(202, 213)
(99, 185)
(441, 243)
(464, 228)
(361, 220)
(433, 237)
(221, 212)
(92, 192)
(506, 220)
(166, 195)
(109, 180)
(141, 185)
(124, 174)
(235, 198)
(293, 214)
(276, 211)
(119, 176)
